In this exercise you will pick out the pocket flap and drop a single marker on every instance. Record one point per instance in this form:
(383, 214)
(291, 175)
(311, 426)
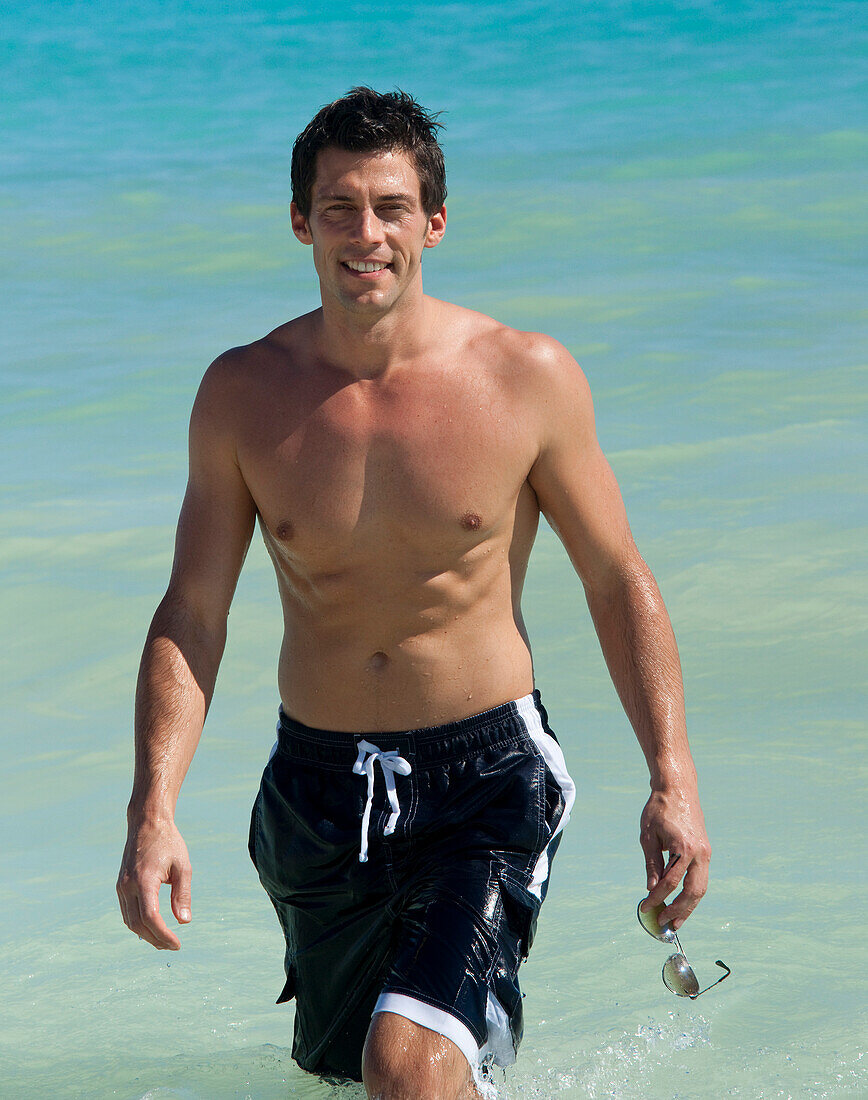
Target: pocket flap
(288, 991)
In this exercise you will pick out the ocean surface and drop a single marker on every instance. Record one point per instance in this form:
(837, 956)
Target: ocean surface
(677, 192)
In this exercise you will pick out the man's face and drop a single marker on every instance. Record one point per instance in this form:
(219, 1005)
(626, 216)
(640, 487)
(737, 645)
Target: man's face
(367, 228)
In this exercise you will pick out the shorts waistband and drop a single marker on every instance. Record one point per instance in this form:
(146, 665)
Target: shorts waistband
(427, 747)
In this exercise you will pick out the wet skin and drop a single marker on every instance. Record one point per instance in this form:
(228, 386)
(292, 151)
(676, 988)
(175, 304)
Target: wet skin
(397, 452)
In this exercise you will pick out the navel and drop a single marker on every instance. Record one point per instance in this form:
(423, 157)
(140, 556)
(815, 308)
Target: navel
(378, 661)
(470, 521)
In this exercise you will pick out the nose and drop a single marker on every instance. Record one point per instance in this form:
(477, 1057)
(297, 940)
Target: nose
(367, 228)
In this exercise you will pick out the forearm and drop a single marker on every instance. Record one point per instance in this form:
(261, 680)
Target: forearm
(176, 680)
(639, 647)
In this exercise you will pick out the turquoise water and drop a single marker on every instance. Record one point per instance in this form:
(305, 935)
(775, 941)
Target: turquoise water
(674, 190)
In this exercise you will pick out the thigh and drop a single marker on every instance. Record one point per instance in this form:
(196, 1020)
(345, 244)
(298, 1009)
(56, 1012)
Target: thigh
(402, 1058)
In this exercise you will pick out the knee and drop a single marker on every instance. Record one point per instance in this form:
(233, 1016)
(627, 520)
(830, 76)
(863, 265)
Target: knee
(402, 1061)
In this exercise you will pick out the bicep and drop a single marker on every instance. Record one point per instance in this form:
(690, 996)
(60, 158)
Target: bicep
(217, 516)
(576, 487)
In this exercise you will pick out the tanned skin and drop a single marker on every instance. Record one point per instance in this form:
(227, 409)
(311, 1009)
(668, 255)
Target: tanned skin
(397, 452)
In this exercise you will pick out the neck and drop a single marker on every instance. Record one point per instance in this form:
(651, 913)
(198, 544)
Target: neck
(367, 345)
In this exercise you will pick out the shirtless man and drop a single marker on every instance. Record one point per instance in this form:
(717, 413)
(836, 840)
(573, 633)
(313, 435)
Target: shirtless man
(398, 451)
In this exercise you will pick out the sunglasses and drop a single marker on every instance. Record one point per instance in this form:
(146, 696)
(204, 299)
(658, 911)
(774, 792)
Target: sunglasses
(678, 974)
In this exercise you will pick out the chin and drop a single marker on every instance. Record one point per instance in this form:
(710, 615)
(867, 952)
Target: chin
(368, 303)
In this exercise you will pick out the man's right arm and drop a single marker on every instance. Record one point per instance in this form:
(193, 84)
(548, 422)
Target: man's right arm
(181, 657)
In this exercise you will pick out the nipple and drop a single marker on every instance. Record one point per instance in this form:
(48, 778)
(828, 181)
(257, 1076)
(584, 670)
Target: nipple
(284, 530)
(470, 521)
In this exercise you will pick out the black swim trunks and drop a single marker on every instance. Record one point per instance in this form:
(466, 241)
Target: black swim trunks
(407, 871)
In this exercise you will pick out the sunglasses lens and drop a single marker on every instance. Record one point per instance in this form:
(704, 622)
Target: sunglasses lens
(678, 976)
(650, 922)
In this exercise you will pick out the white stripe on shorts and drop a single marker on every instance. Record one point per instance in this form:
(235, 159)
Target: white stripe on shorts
(551, 752)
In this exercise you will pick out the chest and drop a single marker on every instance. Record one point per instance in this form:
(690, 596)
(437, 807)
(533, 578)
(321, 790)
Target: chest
(433, 462)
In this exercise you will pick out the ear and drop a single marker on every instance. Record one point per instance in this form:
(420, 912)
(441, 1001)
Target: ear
(300, 226)
(436, 228)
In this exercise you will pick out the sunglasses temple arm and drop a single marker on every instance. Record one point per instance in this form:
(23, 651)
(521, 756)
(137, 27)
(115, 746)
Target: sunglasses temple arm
(718, 962)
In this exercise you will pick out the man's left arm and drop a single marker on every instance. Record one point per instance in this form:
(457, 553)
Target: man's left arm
(579, 496)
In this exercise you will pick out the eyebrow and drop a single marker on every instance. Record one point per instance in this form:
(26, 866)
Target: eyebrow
(335, 197)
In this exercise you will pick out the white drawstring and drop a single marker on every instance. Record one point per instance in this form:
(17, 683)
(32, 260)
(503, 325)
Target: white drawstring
(390, 762)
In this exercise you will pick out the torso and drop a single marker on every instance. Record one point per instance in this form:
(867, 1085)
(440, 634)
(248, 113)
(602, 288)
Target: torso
(399, 518)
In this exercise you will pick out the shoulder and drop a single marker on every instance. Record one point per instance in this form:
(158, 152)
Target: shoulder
(536, 368)
(533, 353)
(221, 389)
(247, 364)
(540, 360)
(238, 377)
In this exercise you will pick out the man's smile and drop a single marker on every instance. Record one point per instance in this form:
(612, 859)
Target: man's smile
(366, 267)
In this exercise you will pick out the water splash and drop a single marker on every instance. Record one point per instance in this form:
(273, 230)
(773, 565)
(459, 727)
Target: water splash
(623, 1068)
(637, 1057)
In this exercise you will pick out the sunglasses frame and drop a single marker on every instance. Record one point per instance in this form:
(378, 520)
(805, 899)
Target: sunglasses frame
(667, 934)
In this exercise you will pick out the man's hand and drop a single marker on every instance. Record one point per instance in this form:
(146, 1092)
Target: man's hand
(673, 823)
(154, 854)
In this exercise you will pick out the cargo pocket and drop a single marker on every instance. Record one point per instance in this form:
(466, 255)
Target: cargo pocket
(521, 909)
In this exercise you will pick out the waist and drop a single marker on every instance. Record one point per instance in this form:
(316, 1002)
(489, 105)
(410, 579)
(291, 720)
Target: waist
(369, 682)
(506, 724)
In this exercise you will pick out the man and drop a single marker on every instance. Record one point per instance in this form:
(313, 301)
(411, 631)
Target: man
(397, 451)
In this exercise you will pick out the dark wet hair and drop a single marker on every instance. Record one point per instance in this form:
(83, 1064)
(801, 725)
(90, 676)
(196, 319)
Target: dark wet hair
(365, 121)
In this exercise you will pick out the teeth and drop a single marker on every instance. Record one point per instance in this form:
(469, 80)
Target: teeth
(357, 265)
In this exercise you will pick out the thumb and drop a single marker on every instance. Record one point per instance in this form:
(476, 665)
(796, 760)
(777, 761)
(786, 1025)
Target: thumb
(181, 896)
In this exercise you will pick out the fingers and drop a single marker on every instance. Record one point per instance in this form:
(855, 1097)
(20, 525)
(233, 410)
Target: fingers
(695, 885)
(693, 868)
(152, 927)
(141, 912)
(122, 901)
(653, 859)
(670, 876)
